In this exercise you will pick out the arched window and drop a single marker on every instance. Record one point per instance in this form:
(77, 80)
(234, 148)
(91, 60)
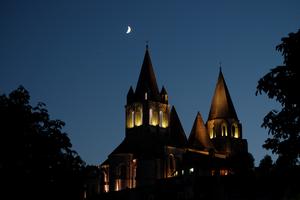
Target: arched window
(224, 129)
(130, 119)
(211, 132)
(161, 116)
(235, 131)
(138, 115)
(153, 117)
(150, 116)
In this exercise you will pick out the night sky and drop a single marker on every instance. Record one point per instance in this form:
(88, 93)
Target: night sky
(76, 57)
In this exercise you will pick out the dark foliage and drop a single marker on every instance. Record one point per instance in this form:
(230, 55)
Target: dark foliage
(281, 84)
(265, 166)
(37, 161)
(242, 163)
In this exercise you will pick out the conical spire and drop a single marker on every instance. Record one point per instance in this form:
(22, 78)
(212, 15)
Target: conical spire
(147, 81)
(221, 106)
(178, 137)
(199, 137)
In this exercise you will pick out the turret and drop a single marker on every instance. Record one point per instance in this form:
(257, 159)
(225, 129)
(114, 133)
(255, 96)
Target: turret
(146, 106)
(223, 124)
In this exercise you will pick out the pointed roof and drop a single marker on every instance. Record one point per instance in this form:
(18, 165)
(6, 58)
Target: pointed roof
(147, 81)
(130, 95)
(178, 137)
(221, 105)
(199, 137)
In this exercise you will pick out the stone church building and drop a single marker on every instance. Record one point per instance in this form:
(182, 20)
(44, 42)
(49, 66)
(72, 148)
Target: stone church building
(155, 146)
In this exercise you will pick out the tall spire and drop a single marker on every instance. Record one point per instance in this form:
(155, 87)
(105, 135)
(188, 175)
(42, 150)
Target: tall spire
(221, 105)
(199, 137)
(147, 81)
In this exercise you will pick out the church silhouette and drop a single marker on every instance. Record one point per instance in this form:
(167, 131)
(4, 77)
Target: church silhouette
(155, 147)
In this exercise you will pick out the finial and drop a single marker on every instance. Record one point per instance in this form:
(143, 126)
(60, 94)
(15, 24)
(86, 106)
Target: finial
(147, 44)
(220, 65)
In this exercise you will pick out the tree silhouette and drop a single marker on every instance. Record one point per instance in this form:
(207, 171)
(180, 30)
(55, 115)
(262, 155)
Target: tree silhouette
(281, 84)
(242, 163)
(37, 161)
(265, 166)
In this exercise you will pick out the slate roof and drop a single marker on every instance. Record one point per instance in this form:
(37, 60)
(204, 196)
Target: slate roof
(147, 80)
(221, 106)
(199, 138)
(177, 135)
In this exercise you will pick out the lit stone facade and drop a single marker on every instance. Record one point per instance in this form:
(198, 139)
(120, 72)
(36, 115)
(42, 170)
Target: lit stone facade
(155, 145)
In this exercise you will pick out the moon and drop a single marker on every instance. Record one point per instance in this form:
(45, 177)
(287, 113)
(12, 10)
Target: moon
(128, 30)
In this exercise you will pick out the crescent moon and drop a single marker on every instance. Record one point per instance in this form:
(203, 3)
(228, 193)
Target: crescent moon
(128, 30)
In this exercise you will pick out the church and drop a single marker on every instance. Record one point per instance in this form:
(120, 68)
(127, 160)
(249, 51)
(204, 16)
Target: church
(155, 146)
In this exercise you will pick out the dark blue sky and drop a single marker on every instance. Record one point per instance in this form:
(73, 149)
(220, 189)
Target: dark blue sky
(75, 56)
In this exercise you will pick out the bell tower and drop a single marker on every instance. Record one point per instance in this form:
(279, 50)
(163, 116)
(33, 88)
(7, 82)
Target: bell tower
(223, 125)
(146, 106)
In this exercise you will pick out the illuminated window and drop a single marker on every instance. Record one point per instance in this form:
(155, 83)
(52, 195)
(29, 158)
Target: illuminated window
(165, 120)
(166, 97)
(130, 119)
(117, 185)
(139, 116)
(133, 173)
(191, 170)
(104, 181)
(150, 116)
(235, 131)
(161, 115)
(223, 172)
(153, 117)
(224, 130)
(211, 133)
(106, 188)
(213, 172)
(146, 96)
